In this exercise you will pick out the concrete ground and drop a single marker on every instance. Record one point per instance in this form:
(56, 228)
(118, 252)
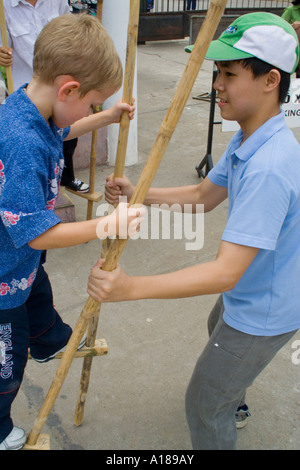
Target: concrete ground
(136, 394)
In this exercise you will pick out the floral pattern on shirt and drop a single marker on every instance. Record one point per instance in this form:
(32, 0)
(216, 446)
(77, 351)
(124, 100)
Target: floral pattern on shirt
(2, 176)
(9, 218)
(15, 284)
(54, 184)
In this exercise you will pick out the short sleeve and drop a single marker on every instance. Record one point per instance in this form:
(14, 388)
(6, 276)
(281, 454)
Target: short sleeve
(23, 201)
(219, 174)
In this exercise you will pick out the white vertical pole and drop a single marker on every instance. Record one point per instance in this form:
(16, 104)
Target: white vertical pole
(115, 17)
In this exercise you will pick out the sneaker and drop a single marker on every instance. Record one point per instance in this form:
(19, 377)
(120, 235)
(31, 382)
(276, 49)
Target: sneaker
(78, 186)
(49, 358)
(241, 416)
(15, 440)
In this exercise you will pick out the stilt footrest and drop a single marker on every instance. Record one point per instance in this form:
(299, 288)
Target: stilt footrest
(99, 349)
(93, 197)
(43, 443)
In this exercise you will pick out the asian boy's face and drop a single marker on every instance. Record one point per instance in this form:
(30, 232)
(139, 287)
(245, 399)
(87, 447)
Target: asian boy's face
(71, 107)
(239, 93)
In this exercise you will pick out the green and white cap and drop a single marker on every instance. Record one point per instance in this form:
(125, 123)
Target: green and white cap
(265, 36)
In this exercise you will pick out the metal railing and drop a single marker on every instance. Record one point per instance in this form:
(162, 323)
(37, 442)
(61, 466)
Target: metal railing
(164, 6)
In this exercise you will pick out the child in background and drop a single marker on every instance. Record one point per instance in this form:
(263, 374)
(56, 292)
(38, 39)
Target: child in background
(292, 15)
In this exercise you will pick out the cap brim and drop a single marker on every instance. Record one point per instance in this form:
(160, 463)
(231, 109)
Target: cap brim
(219, 51)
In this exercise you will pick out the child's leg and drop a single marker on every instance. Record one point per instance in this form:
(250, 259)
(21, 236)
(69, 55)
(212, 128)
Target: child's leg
(68, 172)
(68, 177)
(228, 365)
(14, 340)
(48, 333)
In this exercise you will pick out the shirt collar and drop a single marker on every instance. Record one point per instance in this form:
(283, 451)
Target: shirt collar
(259, 137)
(31, 114)
(15, 3)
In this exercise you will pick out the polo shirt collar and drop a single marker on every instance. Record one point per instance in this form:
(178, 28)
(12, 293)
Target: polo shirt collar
(259, 137)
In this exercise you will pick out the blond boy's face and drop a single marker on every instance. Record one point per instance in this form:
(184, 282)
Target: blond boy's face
(75, 107)
(239, 94)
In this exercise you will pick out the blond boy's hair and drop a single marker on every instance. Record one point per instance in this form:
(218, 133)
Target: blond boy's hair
(77, 45)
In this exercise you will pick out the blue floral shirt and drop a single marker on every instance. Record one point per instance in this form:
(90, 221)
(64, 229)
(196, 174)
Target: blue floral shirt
(31, 164)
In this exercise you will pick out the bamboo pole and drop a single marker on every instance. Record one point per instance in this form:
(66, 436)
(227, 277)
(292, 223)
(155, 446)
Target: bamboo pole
(93, 161)
(10, 85)
(93, 156)
(206, 33)
(132, 36)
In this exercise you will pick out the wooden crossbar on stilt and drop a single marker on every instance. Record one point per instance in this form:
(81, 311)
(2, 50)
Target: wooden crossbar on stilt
(99, 348)
(92, 307)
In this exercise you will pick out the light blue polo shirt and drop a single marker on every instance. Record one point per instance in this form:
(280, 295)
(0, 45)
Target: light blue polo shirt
(263, 180)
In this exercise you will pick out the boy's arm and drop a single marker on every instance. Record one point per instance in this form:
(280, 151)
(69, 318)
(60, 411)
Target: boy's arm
(64, 235)
(206, 193)
(216, 276)
(100, 119)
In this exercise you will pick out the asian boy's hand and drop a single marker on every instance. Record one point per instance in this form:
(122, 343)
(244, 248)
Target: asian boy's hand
(116, 187)
(117, 109)
(5, 57)
(108, 286)
(123, 222)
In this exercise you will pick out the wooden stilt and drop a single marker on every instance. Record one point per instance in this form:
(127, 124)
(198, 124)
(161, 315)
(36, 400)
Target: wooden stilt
(93, 161)
(92, 196)
(206, 33)
(10, 85)
(93, 158)
(132, 35)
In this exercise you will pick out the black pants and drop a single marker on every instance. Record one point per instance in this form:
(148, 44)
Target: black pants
(68, 173)
(35, 325)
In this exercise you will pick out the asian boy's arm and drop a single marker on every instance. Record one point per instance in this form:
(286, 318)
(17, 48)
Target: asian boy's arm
(206, 193)
(216, 276)
(101, 119)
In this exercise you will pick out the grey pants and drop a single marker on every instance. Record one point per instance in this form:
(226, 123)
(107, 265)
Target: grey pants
(227, 366)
